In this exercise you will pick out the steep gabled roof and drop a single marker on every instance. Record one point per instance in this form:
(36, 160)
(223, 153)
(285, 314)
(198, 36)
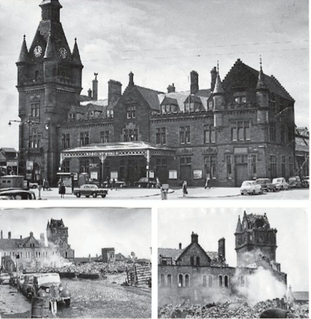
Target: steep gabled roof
(150, 96)
(189, 246)
(170, 253)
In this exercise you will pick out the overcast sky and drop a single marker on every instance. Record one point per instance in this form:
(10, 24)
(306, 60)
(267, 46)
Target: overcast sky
(90, 229)
(211, 224)
(161, 42)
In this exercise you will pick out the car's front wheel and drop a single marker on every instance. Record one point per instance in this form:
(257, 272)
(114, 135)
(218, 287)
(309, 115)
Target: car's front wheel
(104, 195)
(94, 195)
(78, 195)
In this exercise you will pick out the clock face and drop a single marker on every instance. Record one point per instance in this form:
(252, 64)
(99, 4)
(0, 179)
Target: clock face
(37, 51)
(63, 53)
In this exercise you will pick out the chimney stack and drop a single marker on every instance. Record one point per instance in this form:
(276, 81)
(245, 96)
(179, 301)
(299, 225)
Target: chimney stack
(95, 88)
(131, 79)
(194, 238)
(222, 247)
(194, 82)
(89, 93)
(180, 246)
(9, 235)
(213, 78)
(171, 88)
(21, 237)
(114, 91)
(31, 234)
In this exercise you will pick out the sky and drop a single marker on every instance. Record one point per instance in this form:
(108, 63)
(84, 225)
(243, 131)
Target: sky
(211, 224)
(90, 229)
(161, 42)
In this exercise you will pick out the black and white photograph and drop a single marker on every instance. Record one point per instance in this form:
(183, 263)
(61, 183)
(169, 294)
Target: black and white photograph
(75, 263)
(154, 99)
(233, 263)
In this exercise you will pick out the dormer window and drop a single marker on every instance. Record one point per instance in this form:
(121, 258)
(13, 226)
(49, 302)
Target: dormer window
(240, 97)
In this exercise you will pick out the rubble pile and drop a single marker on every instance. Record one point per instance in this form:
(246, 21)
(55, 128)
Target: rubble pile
(227, 310)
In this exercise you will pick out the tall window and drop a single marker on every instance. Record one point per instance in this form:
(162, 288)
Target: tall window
(130, 135)
(220, 281)
(187, 280)
(169, 280)
(34, 140)
(272, 102)
(283, 165)
(84, 138)
(210, 165)
(162, 280)
(180, 280)
(273, 165)
(84, 166)
(272, 131)
(253, 164)
(204, 281)
(131, 112)
(209, 134)
(184, 135)
(104, 137)
(210, 280)
(35, 110)
(66, 141)
(240, 131)
(66, 166)
(229, 166)
(161, 135)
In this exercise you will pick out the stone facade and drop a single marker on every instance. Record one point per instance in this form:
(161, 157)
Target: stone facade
(195, 276)
(239, 128)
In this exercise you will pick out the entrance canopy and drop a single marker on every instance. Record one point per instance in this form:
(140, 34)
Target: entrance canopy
(116, 149)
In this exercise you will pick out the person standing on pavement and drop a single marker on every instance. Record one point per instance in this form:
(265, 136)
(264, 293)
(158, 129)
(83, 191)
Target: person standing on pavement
(184, 189)
(113, 184)
(62, 189)
(207, 182)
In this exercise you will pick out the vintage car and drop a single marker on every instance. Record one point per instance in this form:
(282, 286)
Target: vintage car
(266, 184)
(5, 279)
(250, 187)
(118, 184)
(145, 182)
(88, 190)
(18, 194)
(280, 183)
(294, 182)
(48, 285)
(305, 182)
(27, 286)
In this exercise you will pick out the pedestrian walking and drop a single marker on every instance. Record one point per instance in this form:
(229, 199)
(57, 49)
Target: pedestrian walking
(184, 189)
(108, 181)
(113, 184)
(207, 182)
(158, 184)
(62, 189)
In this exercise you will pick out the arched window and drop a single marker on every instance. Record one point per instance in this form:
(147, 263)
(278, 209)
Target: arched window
(192, 261)
(198, 261)
(210, 281)
(169, 280)
(226, 279)
(162, 280)
(187, 280)
(220, 281)
(204, 281)
(180, 280)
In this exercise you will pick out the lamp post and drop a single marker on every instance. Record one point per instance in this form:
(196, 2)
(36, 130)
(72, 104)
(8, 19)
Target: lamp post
(29, 123)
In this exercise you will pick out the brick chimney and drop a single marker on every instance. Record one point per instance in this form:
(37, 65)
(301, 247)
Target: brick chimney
(171, 88)
(20, 237)
(95, 88)
(114, 91)
(180, 246)
(213, 78)
(131, 79)
(222, 247)
(9, 235)
(194, 238)
(31, 234)
(89, 93)
(194, 82)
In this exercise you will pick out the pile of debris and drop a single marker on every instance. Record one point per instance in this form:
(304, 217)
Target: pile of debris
(228, 310)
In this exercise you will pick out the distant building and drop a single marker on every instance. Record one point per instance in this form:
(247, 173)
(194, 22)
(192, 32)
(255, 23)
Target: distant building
(57, 235)
(108, 255)
(8, 161)
(196, 276)
(302, 151)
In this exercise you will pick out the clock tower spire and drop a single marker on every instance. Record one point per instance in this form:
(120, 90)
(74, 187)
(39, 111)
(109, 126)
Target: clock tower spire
(49, 83)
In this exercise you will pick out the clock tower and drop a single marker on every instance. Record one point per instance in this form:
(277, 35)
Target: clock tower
(49, 83)
(255, 241)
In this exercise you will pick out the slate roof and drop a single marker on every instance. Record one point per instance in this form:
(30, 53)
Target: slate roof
(13, 243)
(150, 96)
(170, 253)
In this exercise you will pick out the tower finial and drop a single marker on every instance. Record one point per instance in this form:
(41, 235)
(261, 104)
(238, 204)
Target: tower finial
(260, 63)
(218, 66)
(24, 37)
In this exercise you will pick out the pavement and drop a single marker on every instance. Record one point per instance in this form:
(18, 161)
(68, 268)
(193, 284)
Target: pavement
(175, 194)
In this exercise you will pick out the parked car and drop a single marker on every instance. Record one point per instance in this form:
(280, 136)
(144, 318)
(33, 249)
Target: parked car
(88, 190)
(118, 184)
(294, 182)
(4, 279)
(266, 184)
(280, 183)
(49, 285)
(18, 194)
(27, 286)
(32, 185)
(144, 182)
(305, 182)
(250, 187)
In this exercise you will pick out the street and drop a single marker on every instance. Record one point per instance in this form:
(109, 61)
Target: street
(89, 299)
(220, 193)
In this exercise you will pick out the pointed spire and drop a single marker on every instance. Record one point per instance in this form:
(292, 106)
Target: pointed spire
(23, 56)
(49, 51)
(75, 54)
(260, 83)
(218, 89)
(239, 226)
